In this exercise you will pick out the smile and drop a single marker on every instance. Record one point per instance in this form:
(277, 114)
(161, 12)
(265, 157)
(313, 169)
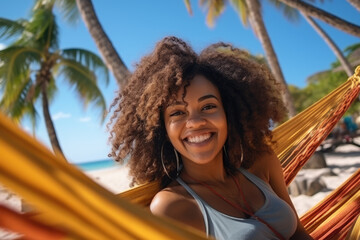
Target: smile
(199, 139)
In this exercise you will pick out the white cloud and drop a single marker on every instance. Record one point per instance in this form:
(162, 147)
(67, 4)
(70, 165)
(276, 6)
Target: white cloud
(27, 129)
(85, 119)
(2, 46)
(60, 115)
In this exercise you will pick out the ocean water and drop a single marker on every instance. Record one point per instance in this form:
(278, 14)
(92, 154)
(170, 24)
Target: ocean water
(96, 165)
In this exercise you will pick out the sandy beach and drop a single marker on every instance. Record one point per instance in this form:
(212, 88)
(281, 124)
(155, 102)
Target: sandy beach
(343, 162)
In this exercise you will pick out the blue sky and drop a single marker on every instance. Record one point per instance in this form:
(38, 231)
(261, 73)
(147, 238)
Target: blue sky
(135, 26)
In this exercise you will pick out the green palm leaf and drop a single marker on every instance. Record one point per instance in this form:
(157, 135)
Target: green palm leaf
(188, 6)
(35, 54)
(214, 9)
(12, 89)
(84, 82)
(350, 49)
(289, 13)
(89, 60)
(16, 103)
(68, 9)
(16, 62)
(241, 9)
(9, 28)
(44, 28)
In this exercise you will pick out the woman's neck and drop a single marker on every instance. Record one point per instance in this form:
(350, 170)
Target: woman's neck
(209, 173)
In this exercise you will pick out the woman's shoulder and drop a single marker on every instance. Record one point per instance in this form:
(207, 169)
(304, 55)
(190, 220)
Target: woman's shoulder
(262, 166)
(165, 198)
(174, 202)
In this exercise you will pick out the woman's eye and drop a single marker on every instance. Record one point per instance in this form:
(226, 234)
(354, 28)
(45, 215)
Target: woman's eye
(176, 113)
(208, 107)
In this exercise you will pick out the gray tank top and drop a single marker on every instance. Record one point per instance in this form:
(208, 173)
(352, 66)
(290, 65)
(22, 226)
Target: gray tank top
(275, 212)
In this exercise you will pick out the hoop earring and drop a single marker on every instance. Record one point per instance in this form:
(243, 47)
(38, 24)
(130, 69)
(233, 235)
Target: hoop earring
(241, 157)
(162, 160)
(178, 167)
(242, 154)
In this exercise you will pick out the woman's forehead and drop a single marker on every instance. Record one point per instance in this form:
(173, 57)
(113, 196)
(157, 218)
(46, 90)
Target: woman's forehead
(199, 85)
(197, 88)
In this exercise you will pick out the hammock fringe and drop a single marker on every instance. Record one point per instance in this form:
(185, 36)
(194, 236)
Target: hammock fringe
(74, 202)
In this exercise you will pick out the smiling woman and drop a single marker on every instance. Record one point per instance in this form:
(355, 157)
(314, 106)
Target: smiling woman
(196, 124)
(199, 123)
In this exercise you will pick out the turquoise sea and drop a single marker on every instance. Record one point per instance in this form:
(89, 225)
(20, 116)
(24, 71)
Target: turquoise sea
(95, 165)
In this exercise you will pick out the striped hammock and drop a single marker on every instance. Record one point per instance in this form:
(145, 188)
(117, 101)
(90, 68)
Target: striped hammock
(64, 196)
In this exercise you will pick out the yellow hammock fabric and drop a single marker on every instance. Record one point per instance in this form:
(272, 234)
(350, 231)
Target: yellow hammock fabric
(86, 210)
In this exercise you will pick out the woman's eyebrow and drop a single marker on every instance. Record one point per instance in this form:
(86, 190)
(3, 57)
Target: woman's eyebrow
(174, 103)
(206, 97)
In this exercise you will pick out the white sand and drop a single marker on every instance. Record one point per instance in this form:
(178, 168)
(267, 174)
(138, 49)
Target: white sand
(343, 162)
(115, 179)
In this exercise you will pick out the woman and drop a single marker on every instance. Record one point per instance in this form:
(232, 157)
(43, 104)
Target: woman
(200, 125)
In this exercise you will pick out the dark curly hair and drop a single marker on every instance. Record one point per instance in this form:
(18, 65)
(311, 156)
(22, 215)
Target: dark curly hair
(249, 94)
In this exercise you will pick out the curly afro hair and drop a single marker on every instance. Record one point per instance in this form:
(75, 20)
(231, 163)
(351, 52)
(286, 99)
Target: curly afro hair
(249, 93)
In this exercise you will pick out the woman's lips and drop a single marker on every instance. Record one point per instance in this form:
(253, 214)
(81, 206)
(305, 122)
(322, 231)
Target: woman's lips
(198, 138)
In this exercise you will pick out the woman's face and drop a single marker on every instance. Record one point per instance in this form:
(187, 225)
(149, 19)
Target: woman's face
(197, 128)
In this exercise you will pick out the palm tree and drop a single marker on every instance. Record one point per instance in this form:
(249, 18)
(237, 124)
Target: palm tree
(338, 53)
(257, 23)
(71, 10)
(329, 18)
(355, 3)
(30, 66)
(250, 10)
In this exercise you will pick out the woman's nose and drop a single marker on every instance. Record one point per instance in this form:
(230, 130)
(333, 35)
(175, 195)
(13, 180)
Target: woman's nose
(195, 121)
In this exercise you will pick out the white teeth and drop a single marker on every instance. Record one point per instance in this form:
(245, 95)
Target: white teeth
(199, 139)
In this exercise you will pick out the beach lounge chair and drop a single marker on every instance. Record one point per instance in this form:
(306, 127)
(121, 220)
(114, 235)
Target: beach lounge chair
(67, 197)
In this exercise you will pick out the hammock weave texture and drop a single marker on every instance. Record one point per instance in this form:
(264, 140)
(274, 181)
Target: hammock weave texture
(68, 198)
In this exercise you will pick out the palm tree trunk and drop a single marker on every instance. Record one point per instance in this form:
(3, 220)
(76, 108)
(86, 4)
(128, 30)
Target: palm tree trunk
(49, 123)
(355, 3)
(103, 43)
(345, 64)
(333, 20)
(261, 32)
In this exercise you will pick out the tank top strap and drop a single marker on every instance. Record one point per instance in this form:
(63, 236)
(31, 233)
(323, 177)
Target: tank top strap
(256, 180)
(199, 202)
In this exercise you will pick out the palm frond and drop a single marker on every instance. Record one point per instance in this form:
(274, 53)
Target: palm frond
(43, 26)
(10, 28)
(68, 9)
(16, 61)
(16, 104)
(87, 59)
(188, 6)
(241, 9)
(290, 13)
(350, 49)
(84, 82)
(12, 89)
(43, 3)
(214, 9)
